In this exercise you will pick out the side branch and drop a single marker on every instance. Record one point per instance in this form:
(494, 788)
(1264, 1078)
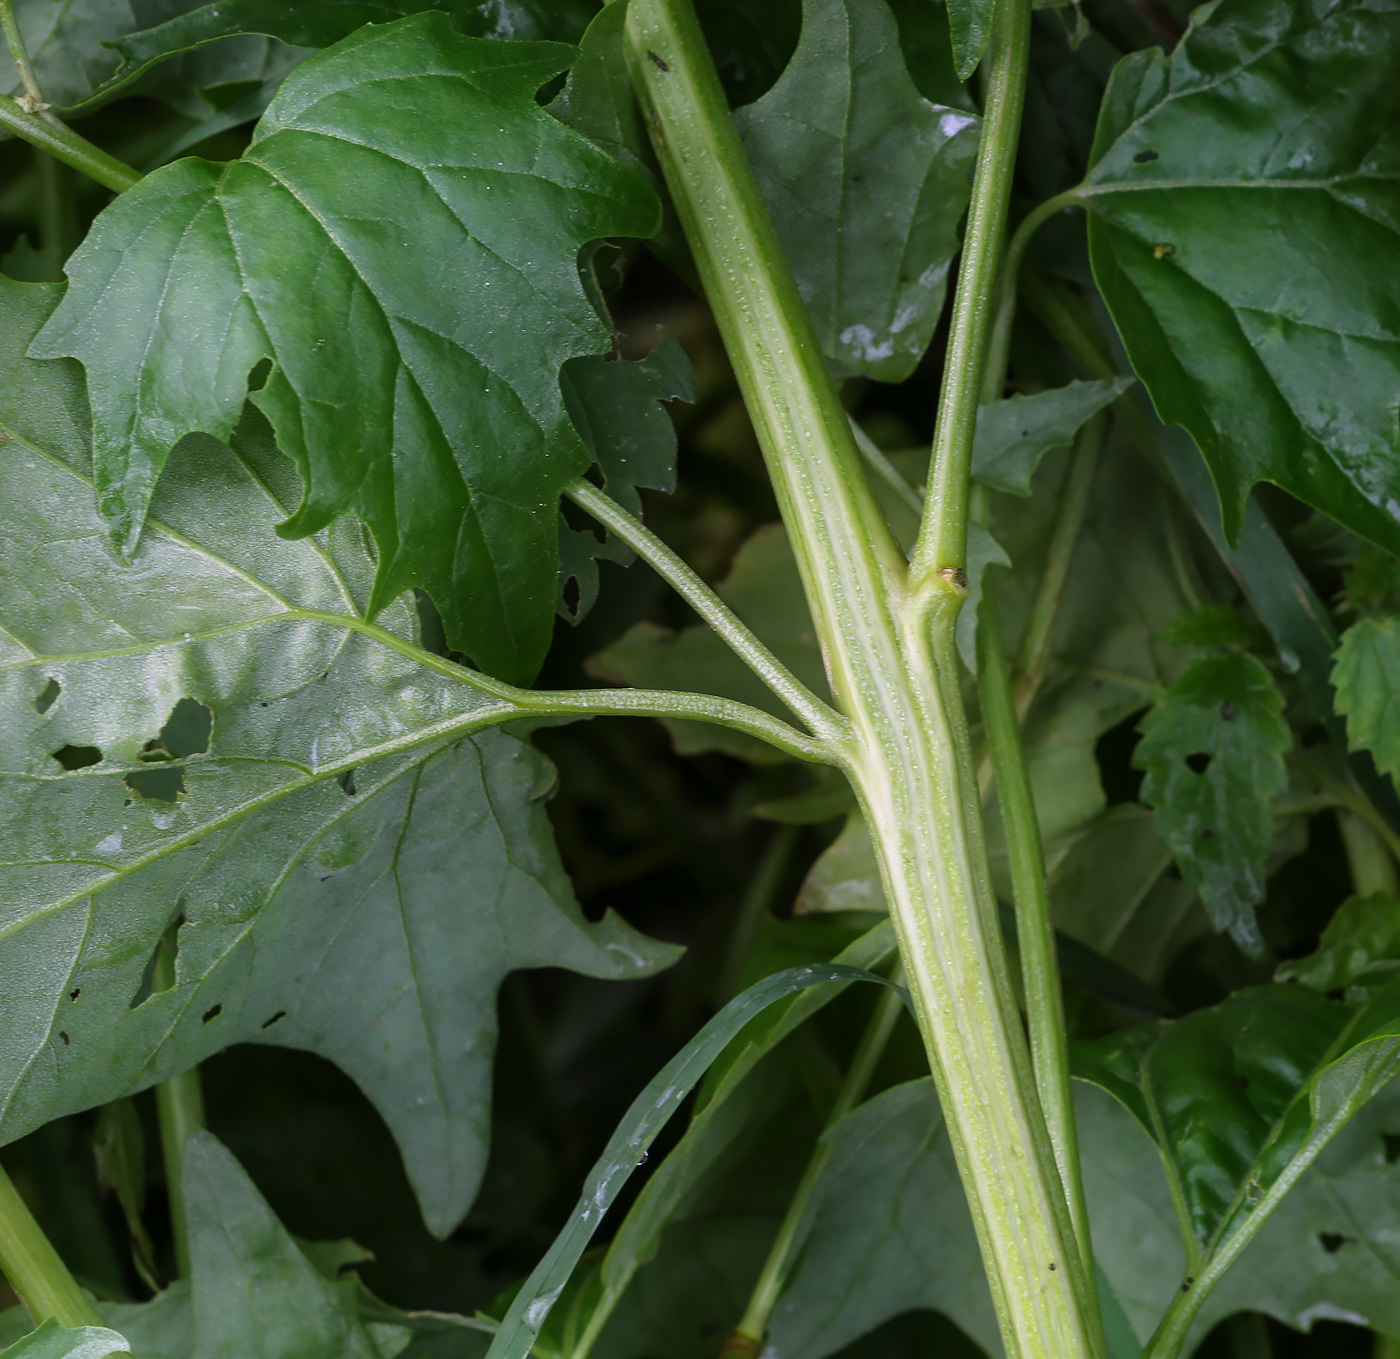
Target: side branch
(820, 718)
(62, 143)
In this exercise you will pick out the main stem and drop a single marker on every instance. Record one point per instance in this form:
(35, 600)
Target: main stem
(893, 666)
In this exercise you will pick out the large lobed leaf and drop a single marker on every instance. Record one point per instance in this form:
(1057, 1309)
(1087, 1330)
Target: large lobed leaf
(867, 184)
(401, 241)
(368, 917)
(1245, 231)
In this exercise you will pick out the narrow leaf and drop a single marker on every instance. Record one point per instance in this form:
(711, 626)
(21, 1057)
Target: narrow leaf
(1013, 435)
(971, 25)
(427, 402)
(1212, 749)
(648, 1114)
(1246, 241)
(867, 184)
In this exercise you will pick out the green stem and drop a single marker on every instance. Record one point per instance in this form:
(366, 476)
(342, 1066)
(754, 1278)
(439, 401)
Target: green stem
(1387, 1347)
(893, 668)
(776, 1268)
(34, 1269)
(1370, 861)
(1000, 343)
(61, 142)
(58, 228)
(1347, 797)
(942, 544)
(818, 716)
(1034, 653)
(1035, 933)
(14, 40)
(180, 1113)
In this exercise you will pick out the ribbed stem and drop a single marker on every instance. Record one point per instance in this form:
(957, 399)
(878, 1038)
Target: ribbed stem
(894, 673)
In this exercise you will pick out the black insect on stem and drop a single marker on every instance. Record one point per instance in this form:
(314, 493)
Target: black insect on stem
(658, 62)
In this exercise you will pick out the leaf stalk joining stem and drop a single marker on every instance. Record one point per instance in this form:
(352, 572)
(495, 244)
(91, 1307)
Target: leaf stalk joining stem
(34, 1268)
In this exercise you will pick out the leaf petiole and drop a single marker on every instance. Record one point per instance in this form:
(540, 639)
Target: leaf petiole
(61, 142)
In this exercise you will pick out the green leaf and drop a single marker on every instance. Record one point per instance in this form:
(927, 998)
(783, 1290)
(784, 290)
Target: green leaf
(1360, 945)
(1212, 748)
(1243, 1097)
(336, 787)
(1235, 230)
(253, 1289)
(52, 1341)
(616, 407)
(648, 1114)
(765, 590)
(970, 22)
(1111, 891)
(1013, 435)
(870, 250)
(888, 1231)
(1366, 676)
(396, 388)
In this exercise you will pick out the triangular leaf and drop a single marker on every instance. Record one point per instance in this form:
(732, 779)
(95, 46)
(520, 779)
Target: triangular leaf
(426, 401)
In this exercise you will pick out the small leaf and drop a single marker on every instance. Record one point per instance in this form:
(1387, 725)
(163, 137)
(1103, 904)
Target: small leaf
(1212, 749)
(1235, 230)
(1013, 435)
(52, 1341)
(1366, 676)
(616, 407)
(426, 401)
(971, 25)
(1360, 945)
(870, 247)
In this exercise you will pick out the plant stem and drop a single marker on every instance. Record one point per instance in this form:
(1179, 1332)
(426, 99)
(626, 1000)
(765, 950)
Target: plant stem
(893, 666)
(14, 40)
(34, 1269)
(1387, 1347)
(818, 716)
(912, 496)
(1368, 857)
(1000, 343)
(179, 1111)
(1035, 933)
(1034, 653)
(748, 1335)
(942, 544)
(61, 142)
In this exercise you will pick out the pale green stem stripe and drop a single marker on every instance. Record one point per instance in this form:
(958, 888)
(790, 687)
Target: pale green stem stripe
(179, 1113)
(34, 1269)
(782, 1254)
(942, 544)
(912, 496)
(820, 717)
